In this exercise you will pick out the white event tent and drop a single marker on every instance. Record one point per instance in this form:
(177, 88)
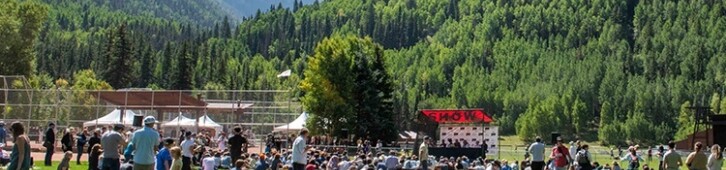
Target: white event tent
(204, 122)
(294, 126)
(113, 118)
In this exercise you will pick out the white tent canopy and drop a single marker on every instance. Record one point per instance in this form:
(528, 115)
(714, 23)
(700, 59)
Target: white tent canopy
(295, 125)
(207, 122)
(178, 121)
(204, 122)
(113, 118)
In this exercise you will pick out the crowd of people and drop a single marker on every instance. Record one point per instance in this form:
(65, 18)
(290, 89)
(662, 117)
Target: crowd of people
(120, 148)
(578, 157)
(117, 148)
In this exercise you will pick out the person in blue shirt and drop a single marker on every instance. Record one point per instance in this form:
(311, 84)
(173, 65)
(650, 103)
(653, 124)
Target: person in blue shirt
(262, 163)
(226, 161)
(80, 142)
(3, 133)
(163, 158)
(145, 142)
(129, 152)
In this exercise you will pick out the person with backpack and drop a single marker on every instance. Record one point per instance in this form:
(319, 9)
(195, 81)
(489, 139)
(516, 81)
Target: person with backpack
(560, 155)
(633, 159)
(583, 158)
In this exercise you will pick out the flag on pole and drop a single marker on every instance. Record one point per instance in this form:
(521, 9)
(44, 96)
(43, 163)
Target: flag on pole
(285, 73)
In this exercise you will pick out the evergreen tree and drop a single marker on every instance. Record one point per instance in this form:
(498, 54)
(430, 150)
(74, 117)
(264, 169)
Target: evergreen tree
(119, 73)
(147, 68)
(183, 78)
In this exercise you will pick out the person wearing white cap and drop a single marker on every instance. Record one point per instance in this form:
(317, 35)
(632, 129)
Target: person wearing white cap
(145, 142)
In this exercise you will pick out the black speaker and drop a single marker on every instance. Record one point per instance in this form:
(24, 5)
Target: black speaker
(554, 136)
(138, 119)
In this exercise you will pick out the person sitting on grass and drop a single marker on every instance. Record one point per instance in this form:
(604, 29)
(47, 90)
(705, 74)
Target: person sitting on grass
(240, 165)
(226, 161)
(65, 163)
(208, 162)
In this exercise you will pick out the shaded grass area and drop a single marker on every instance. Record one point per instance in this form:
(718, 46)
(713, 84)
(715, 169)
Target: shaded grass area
(39, 165)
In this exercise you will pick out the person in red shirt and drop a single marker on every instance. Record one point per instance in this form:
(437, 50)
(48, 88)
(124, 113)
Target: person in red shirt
(560, 155)
(311, 165)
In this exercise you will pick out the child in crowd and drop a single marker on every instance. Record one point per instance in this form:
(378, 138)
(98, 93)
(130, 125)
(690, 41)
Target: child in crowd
(176, 162)
(65, 163)
(93, 160)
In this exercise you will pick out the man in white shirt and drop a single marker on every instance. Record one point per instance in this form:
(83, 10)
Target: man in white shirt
(423, 152)
(392, 161)
(573, 148)
(187, 147)
(299, 149)
(537, 150)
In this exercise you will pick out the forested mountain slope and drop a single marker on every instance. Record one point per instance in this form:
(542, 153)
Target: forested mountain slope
(248, 8)
(623, 70)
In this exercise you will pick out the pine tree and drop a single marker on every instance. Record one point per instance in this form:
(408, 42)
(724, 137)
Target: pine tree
(119, 73)
(226, 28)
(183, 79)
(147, 68)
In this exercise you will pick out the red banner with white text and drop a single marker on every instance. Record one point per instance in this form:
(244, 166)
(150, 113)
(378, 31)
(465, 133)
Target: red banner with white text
(458, 116)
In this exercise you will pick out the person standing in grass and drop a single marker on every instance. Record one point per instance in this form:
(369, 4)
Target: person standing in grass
(93, 157)
(67, 140)
(299, 147)
(163, 158)
(715, 160)
(423, 153)
(93, 140)
(49, 143)
(187, 146)
(632, 158)
(112, 141)
(560, 155)
(661, 155)
(81, 140)
(176, 162)
(145, 142)
(537, 152)
(20, 156)
(697, 159)
(671, 159)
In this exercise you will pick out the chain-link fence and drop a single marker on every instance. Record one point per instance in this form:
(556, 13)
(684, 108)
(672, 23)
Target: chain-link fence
(256, 110)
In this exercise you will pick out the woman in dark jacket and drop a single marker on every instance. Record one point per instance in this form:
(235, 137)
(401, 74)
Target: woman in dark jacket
(95, 139)
(67, 140)
(80, 142)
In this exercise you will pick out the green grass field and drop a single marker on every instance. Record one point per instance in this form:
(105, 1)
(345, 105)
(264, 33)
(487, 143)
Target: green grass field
(39, 165)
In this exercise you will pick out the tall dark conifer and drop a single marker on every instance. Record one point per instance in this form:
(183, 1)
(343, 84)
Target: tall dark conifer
(119, 73)
(183, 79)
